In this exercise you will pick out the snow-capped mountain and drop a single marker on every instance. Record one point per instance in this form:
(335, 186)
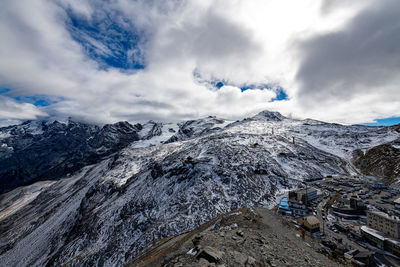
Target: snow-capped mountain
(42, 150)
(155, 180)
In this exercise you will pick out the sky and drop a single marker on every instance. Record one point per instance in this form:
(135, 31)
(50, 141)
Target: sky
(136, 60)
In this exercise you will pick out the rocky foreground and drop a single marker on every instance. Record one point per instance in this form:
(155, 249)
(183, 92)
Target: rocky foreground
(244, 237)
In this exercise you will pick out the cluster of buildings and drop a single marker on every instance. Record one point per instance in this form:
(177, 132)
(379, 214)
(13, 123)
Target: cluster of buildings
(368, 212)
(299, 205)
(299, 202)
(382, 231)
(351, 209)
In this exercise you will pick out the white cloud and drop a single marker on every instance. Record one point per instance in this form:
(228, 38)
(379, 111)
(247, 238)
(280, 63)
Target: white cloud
(11, 109)
(243, 42)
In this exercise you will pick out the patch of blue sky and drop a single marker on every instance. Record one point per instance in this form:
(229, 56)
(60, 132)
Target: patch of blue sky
(219, 85)
(384, 122)
(4, 90)
(280, 92)
(37, 100)
(216, 84)
(280, 95)
(253, 86)
(109, 39)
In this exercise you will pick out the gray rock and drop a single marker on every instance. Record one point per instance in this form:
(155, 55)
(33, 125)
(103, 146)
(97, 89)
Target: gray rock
(251, 260)
(240, 233)
(239, 258)
(203, 263)
(210, 254)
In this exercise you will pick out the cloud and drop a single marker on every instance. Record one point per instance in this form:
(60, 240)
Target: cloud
(10, 109)
(106, 61)
(330, 6)
(360, 61)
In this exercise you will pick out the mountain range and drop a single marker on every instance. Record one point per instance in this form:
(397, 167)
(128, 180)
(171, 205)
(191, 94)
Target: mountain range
(80, 194)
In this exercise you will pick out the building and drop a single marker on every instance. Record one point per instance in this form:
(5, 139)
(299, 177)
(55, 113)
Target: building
(298, 209)
(362, 258)
(311, 224)
(378, 239)
(379, 186)
(397, 204)
(387, 224)
(351, 208)
(392, 246)
(299, 200)
(357, 204)
(350, 254)
(305, 195)
(373, 237)
(283, 207)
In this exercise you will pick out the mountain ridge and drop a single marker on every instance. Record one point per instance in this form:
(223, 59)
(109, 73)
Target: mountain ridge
(106, 212)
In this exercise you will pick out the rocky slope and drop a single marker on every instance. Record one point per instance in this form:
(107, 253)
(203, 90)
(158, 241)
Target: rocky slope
(106, 212)
(381, 161)
(244, 237)
(42, 150)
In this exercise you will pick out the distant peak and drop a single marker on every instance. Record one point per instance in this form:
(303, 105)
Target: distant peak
(270, 115)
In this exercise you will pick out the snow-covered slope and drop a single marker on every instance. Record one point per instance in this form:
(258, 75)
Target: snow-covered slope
(194, 128)
(336, 139)
(156, 187)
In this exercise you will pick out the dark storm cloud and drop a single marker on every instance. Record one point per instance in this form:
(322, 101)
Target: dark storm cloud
(362, 57)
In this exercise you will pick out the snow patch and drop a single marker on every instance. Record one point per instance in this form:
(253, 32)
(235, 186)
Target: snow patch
(4, 135)
(192, 252)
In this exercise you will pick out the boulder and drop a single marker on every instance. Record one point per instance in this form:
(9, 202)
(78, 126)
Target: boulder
(210, 254)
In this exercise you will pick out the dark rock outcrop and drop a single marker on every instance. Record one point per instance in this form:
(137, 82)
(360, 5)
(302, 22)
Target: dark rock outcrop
(381, 161)
(36, 151)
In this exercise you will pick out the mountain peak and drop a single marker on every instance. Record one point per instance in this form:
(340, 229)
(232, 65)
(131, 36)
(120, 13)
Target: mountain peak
(270, 115)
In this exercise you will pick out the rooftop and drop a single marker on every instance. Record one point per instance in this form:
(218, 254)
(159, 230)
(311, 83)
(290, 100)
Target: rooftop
(372, 232)
(312, 220)
(386, 216)
(284, 204)
(379, 235)
(308, 190)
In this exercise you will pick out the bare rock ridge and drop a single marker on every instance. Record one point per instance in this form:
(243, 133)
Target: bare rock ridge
(114, 190)
(244, 237)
